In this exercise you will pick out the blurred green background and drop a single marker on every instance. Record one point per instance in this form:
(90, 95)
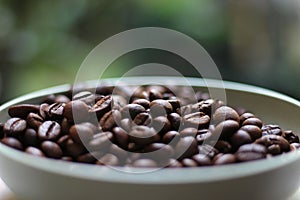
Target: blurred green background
(42, 43)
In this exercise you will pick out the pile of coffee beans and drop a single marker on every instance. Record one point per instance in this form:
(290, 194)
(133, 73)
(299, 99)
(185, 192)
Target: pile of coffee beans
(146, 126)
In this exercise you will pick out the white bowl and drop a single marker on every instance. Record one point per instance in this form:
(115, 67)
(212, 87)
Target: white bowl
(276, 178)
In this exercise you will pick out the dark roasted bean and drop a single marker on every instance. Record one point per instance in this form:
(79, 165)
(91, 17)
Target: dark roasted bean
(132, 110)
(159, 152)
(161, 124)
(121, 137)
(110, 120)
(171, 136)
(12, 142)
(226, 129)
(186, 147)
(143, 135)
(223, 146)
(207, 150)
(34, 151)
(250, 152)
(56, 110)
(85, 96)
(109, 160)
(82, 133)
(245, 116)
(274, 141)
(187, 162)
(22, 110)
(100, 142)
(160, 107)
(61, 99)
(203, 135)
(253, 121)
(197, 120)
(239, 138)
(34, 120)
(290, 136)
(225, 159)
(76, 111)
(30, 138)
(143, 102)
(49, 130)
(202, 160)
(143, 119)
(175, 120)
(15, 127)
(102, 106)
(74, 149)
(189, 132)
(90, 157)
(51, 149)
(173, 163)
(271, 129)
(254, 131)
(225, 113)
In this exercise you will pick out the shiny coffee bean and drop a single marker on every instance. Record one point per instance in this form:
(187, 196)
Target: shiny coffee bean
(126, 124)
(100, 142)
(73, 149)
(34, 120)
(253, 121)
(34, 151)
(189, 132)
(121, 137)
(30, 138)
(223, 146)
(226, 129)
(76, 111)
(245, 116)
(186, 147)
(90, 157)
(82, 133)
(254, 131)
(110, 120)
(51, 149)
(239, 138)
(250, 152)
(132, 110)
(85, 96)
(187, 162)
(143, 135)
(15, 127)
(143, 102)
(108, 160)
(154, 94)
(290, 136)
(173, 163)
(274, 141)
(143, 118)
(22, 110)
(49, 130)
(161, 124)
(102, 106)
(159, 152)
(207, 150)
(43, 111)
(56, 110)
(225, 159)
(203, 135)
(197, 120)
(271, 129)
(171, 136)
(202, 160)
(175, 120)
(225, 113)
(12, 142)
(160, 107)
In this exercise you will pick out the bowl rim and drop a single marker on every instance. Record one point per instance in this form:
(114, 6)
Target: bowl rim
(161, 176)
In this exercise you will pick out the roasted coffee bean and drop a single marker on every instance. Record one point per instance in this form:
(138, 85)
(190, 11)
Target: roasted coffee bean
(187, 162)
(271, 129)
(49, 130)
(43, 111)
(63, 140)
(273, 142)
(22, 110)
(90, 157)
(110, 120)
(159, 152)
(186, 147)
(34, 151)
(226, 129)
(143, 135)
(175, 120)
(126, 124)
(104, 89)
(171, 136)
(197, 120)
(245, 116)
(225, 113)
(12, 142)
(253, 121)
(203, 135)
(102, 106)
(100, 142)
(160, 107)
(208, 106)
(154, 94)
(239, 138)
(225, 159)
(250, 152)
(34, 120)
(15, 127)
(51, 149)
(223, 146)
(61, 99)
(139, 93)
(175, 103)
(207, 150)
(143, 102)
(290, 136)
(121, 137)
(189, 132)
(145, 163)
(202, 160)
(49, 99)
(56, 110)
(65, 126)
(118, 102)
(108, 160)
(74, 149)
(132, 110)
(143, 119)
(173, 163)
(254, 131)
(76, 111)
(85, 96)
(30, 138)
(82, 133)
(161, 124)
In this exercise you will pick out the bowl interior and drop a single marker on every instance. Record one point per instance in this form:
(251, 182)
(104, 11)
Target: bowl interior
(269, 106)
